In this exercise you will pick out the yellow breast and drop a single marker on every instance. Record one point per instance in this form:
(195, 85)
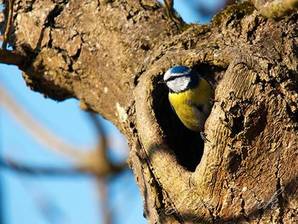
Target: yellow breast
(184, 104)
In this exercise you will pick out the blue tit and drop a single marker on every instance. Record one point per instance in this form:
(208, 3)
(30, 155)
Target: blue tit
(190, 96)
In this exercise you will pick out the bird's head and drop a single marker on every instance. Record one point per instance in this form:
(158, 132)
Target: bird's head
(180, 78)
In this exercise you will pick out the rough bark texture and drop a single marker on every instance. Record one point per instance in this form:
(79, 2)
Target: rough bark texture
(111, 55)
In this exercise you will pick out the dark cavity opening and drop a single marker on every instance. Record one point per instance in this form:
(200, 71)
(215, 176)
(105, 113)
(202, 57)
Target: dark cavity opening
(187, 145)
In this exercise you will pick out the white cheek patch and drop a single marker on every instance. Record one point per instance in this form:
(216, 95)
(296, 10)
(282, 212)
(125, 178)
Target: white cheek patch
(178, 84)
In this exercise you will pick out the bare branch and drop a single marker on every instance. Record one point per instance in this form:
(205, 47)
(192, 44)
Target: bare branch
(98, 159)
(40, 133)
(8, 24)
(102, 150)
(12, 58)
(102, 137)
(92, 161)
(31, 170)
(103, 198)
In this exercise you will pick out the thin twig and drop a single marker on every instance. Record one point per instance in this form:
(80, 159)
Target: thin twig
(8, 24)
(94, 161)
(102, 149)
(103, 198)
(31, 170)
(101, 133)
(39, 132)
(103, 161)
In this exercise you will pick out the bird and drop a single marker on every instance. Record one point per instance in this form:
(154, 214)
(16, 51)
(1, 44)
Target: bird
(190, 95)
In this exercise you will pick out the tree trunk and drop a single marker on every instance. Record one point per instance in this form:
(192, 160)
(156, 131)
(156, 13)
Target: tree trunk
(111, 55)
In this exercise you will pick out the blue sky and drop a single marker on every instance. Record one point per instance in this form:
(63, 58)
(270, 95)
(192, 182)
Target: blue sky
(23, 195)
(73, 200)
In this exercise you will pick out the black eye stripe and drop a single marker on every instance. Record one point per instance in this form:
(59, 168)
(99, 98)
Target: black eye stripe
(174, 77)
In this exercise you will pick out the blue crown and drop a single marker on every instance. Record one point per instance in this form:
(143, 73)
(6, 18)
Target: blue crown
(180, 69)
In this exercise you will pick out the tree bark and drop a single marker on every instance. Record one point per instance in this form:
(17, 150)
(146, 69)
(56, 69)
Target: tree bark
(111, 56)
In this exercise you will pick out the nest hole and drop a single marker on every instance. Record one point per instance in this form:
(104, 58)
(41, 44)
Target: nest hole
(187, 145)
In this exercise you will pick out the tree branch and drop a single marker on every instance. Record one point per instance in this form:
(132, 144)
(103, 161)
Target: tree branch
(99, 160)
(94, 161)
(103, 198)
(39, 132)
(31, 170)
(12, 58)
(8, 23)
